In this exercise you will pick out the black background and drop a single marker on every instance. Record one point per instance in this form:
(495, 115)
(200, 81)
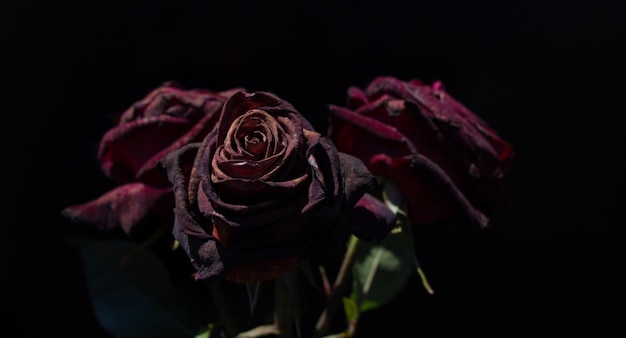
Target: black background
(547, 75)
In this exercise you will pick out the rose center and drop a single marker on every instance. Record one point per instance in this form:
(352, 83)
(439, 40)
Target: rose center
(252, 137)
(255, 143)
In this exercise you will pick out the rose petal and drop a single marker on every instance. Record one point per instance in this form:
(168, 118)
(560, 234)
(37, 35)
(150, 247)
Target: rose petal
(436, 135)
(371, 219)
(249, 224)
(125, 206)
(177, 165)
(470, 138)
(126, 148)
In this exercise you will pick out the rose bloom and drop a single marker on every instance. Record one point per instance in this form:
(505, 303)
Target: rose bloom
(448, 163)
(167, 118)
(263, 190)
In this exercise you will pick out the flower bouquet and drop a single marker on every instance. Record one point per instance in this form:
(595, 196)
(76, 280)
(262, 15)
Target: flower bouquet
(241, 186)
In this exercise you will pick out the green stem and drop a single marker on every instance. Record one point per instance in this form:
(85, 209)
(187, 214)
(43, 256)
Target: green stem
(220, 304)
(336, 293)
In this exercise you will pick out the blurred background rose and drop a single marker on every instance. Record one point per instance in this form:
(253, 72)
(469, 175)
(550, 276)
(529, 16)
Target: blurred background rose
(448, 162)
(167, 118)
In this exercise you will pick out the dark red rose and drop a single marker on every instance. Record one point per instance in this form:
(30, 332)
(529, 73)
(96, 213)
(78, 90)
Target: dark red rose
(166, 119)
(263, 190)
(445, 159)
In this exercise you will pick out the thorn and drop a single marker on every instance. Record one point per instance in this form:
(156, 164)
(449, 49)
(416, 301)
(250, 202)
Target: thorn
(253, 294)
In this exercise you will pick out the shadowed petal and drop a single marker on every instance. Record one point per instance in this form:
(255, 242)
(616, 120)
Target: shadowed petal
(371, 219)
(124, 206)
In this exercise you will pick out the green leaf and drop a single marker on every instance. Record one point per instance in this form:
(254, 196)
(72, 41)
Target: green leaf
(269, 330)
(205, 334)
(408, 234)
(350, 308)
(381, 271)
(132, 294)
(395, 200)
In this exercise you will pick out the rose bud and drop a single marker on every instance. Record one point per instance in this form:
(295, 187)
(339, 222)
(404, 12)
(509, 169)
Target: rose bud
(448, 162)
(263, 190)
(166, 119)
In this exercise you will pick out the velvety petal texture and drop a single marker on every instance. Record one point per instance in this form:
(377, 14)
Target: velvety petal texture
(262, 190)
(125, 206)
(446, 160)
(371, 219)
(168, 118)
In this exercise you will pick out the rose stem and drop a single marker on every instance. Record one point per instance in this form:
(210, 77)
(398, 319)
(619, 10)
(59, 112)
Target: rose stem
(336, 294)
(325, 281)
(220, 304)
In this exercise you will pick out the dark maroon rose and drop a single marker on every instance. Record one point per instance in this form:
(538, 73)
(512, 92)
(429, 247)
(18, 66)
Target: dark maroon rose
(263, 190)
(166, 119)
(446, 160)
